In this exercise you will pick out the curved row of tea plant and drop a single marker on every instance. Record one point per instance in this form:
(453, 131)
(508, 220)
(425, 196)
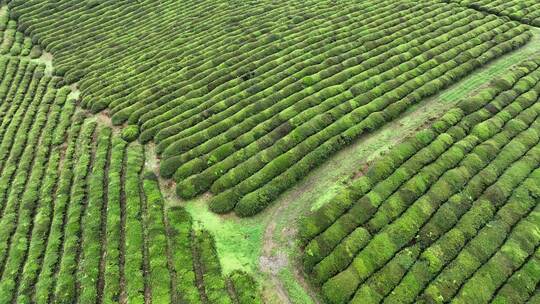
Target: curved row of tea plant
(245, 104)
(256, 178)
(449, 215)
(525, 11)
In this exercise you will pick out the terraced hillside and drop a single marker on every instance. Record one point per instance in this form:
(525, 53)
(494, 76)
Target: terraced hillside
(343, 113)
(451, 214)
(246, 102)
(525, 11)
(80, 220)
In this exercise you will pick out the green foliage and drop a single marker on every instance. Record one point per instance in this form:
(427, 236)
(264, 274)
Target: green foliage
(88, 271)
(245, 287)
(130, 133)
(134, 229)
(181, 240)
(223, 203)
(65, 280)
(208, 263)
(341, 287)
(521, 11)
(167, 166)
(41, 179)
(436, 211)
(111, 291)
(158, 251)
(448, 214)
(256, 117)
(341, 256)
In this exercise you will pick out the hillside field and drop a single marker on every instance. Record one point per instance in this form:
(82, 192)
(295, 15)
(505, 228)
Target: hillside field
(284, 151)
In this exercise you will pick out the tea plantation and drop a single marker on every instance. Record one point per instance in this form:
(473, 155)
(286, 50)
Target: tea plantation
(451, 213)
(193, 151)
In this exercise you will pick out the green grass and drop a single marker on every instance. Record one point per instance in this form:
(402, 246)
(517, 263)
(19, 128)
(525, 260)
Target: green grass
(46, 59)
(296, 292)
(238, 241)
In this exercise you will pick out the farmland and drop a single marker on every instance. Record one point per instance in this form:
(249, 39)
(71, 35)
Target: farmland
(305, 98)
(269, 151)
(82, 220)
(525, 11)
(438, 214)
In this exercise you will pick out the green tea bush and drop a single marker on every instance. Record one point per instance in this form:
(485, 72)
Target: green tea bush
(130, 133)
(436, 208)
(238, 109)
(245, 288)
(158, 250)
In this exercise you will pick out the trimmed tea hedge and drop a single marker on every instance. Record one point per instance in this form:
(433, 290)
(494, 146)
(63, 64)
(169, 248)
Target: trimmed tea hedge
(525, 11)
(81, 222)
(253, 96)
(449, 215)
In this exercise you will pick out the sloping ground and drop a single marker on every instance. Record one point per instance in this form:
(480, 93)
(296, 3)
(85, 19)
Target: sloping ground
(242, 235)
(12, 41)
(81, 220)
(448, 215)
(524, 11)
(244, 99)
(269, 238)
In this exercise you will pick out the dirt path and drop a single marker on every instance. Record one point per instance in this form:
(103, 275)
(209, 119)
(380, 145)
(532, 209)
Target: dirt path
(271, 263)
